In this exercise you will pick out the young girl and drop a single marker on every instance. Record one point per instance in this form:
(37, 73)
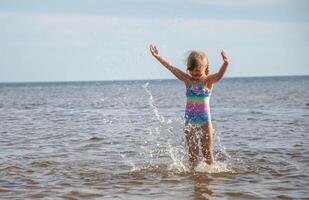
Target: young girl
(199, 84)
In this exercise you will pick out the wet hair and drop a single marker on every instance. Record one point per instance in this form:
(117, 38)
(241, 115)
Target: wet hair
(197, 58)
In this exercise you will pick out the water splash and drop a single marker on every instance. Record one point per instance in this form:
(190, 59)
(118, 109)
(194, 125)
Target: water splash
(159, 117)
(179, 157)
(130, 162)
(222, 153)
(165, 149)
(216, 167)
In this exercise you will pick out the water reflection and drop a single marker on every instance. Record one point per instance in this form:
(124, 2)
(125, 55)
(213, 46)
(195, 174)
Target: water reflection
(201, 190)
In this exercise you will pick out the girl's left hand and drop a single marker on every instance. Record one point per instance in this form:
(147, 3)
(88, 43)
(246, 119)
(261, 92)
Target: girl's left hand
(154, 50)
(224, 56)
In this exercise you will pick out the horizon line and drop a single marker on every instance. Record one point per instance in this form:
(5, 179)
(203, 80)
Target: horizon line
(157, 79)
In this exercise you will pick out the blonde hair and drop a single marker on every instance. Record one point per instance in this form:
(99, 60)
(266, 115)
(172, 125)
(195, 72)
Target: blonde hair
(197, 58)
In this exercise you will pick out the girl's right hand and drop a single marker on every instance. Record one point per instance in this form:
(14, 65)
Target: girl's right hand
(154, 50)
(224, 57)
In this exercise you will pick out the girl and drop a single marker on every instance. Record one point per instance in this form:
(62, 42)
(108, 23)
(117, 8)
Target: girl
(199, 84)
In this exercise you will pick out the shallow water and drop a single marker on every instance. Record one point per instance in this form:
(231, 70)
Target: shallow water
(124, 140)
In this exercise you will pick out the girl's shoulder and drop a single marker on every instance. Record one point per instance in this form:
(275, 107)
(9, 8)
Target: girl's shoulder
(211, 77)
(207, 82)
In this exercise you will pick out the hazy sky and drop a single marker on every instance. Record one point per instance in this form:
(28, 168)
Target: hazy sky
(70, 40)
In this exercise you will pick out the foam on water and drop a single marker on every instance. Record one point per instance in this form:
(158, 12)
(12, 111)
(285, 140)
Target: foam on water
(216, 167)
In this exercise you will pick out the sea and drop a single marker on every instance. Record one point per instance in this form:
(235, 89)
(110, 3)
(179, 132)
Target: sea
(125, 140)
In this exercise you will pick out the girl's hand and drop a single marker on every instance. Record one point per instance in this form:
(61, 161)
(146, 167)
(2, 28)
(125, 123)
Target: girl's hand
(224, 57)
(154, 50)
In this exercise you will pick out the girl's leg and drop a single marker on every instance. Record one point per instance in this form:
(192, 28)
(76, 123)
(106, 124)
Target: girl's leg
(192, 142)
(207, 141)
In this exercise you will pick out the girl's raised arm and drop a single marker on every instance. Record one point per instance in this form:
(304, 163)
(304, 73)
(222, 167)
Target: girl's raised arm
(177, 72)
(217, 76)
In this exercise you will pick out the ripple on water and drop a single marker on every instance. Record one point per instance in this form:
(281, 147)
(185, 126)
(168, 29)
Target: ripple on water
(69, 145)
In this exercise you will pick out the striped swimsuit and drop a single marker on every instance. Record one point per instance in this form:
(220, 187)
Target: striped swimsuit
(197, 108)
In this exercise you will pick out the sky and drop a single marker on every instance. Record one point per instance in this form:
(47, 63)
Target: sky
(93, 40)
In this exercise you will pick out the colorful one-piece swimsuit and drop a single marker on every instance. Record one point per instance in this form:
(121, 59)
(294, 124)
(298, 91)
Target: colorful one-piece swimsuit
(197, 108)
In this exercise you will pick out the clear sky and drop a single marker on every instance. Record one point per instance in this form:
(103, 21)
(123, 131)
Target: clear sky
(72, 40)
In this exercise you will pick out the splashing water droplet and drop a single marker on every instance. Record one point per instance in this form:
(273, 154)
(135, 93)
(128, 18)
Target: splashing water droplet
(159, 117)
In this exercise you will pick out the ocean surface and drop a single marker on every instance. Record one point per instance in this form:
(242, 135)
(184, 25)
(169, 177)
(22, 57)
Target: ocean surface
(124, 140)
